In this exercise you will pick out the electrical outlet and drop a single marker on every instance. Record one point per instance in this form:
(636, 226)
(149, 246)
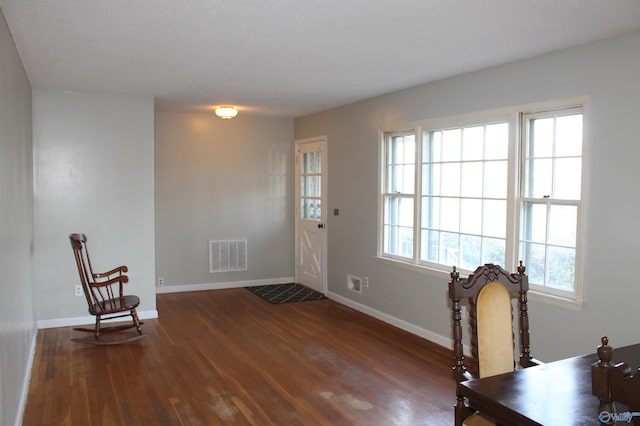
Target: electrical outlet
(160, 282)
(365, 281)
(78, 289)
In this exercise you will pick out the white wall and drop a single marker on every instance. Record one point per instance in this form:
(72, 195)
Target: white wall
(17, 315)
(217, 180)
(93, 161)
(607, 72)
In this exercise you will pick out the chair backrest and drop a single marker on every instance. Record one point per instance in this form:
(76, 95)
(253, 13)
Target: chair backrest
(83, 262)
(614, 383)
(489, 291)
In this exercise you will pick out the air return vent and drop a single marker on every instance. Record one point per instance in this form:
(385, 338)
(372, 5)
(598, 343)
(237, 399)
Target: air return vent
(227, 255)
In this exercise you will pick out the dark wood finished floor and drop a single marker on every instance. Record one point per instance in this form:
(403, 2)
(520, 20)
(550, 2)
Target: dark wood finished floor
(227, 357)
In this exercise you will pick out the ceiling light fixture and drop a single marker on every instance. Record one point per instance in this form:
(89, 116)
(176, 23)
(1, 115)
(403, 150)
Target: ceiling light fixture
(226, 112)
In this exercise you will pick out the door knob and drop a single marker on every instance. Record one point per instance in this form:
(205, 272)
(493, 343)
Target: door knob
(321, 225)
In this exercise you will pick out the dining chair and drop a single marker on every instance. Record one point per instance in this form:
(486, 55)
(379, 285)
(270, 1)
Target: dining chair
(489, 291)
(105, 296)
(614, 385)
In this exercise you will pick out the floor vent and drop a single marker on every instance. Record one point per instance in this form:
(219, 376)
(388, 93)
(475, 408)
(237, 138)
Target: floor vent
(227, 255)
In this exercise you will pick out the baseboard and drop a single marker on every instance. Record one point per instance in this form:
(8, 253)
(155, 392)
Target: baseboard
(27, 377)
(221, 286)
(73, 321)
(396, 322)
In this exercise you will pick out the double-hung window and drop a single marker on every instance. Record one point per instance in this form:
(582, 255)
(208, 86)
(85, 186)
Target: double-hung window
(495, 187)
(550, 194)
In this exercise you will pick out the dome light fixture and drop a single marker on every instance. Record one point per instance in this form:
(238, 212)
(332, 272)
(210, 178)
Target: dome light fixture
(226, 112)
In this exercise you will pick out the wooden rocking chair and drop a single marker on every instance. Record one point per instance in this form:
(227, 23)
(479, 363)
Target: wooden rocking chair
(105, 296)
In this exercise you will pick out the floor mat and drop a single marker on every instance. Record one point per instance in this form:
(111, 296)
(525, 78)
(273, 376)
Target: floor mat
(285, 293)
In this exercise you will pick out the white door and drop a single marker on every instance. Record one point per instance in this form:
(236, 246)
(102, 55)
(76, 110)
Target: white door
(311, 212)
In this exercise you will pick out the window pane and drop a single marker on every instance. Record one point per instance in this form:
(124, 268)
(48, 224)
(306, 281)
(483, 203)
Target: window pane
(533, 256)
(405, 212)
(473, 143)
(470, 219)
(494, 218)
(497, 142)
(399, 211)
(431, 179)
(310, 209)
(430, 245)
(534, 227)
(450, 218)
(310, 186)
(472, 179)
(311, 162)
(562, 225)
(569, 135)
(493, 251)
(402, 178)
(448, 249)
(450, 182)
(541, 138)
(470, 248)
(431, 146)
(561, 268)
(406, 242)
(451, 144)
(567, 176)
(430, 212)
(538, 178)
(495, 179)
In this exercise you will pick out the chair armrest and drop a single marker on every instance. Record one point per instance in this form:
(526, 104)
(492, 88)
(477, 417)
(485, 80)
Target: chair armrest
(119, 279)
(119, 269)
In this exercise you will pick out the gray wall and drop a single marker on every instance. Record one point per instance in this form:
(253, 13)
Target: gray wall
(93, 160)
(17, 315)
(607, 72)
(217, 180)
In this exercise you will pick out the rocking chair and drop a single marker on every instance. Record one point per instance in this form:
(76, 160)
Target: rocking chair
(105, 296)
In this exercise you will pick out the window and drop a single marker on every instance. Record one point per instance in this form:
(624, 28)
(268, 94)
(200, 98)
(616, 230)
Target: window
(550, 198)
(399, 195)
(495, 187)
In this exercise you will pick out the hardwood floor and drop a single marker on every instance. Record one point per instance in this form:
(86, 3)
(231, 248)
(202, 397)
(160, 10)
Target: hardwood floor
(227, 357)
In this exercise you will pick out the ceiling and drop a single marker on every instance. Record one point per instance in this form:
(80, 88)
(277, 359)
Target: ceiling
(289, 58)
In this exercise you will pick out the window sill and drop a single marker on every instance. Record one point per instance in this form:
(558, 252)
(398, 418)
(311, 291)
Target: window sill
(415, 268)
(532, 295)
(574, 305)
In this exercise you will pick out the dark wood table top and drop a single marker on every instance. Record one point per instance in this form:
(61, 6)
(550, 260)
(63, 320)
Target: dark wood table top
(556, 393)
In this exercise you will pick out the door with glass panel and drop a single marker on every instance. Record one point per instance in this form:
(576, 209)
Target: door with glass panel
(311, 212)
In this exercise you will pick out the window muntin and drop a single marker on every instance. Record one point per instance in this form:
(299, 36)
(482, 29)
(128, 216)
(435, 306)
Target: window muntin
(502, 187)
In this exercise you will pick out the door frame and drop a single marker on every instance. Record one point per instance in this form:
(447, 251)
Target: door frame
(322, 140)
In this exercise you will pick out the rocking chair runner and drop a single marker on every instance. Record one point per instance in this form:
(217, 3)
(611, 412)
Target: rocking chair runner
(105, 296)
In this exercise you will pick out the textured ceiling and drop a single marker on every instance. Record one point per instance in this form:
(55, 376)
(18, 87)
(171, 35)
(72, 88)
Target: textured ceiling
(289, 57)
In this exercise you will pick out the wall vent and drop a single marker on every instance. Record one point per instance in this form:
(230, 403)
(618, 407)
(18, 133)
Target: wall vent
(227, 255)
(354, 283)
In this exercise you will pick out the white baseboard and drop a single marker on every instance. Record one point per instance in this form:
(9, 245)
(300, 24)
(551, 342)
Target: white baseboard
(396, 322)
(27, 377)
(73, 321)
(220, 286)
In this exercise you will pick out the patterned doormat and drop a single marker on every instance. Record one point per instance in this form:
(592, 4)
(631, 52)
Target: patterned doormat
(285, 293)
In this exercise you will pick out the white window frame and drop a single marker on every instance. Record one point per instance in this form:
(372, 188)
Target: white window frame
(513, 115)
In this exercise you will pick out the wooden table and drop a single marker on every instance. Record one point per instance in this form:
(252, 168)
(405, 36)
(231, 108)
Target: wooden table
(556, 393)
